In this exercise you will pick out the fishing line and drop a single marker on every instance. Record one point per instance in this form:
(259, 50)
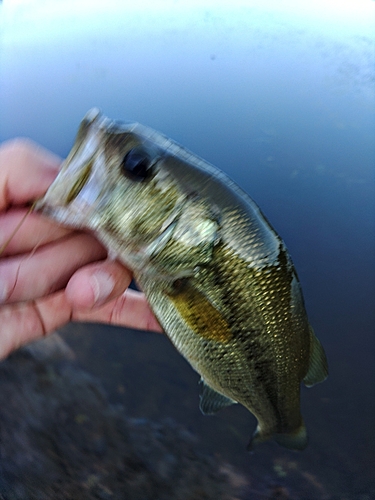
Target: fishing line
(4, 245)
(36, 246)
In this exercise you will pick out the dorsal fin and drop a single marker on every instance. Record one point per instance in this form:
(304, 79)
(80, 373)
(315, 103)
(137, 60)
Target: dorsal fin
(318, 366)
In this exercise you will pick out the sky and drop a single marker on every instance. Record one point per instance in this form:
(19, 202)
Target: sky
(36, 20)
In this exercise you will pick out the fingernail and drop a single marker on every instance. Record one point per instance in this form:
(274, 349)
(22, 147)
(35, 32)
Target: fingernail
(102, 284)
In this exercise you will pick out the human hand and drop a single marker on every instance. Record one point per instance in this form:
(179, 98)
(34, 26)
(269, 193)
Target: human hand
(50, 275)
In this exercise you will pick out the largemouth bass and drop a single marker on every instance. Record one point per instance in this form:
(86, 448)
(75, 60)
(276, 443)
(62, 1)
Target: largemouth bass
(216, 274)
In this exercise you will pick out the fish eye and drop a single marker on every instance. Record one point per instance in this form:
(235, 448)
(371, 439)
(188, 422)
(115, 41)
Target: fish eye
(136, 165)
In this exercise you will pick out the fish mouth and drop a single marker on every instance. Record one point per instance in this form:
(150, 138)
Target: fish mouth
(73, 184)
(71, 196)
(79, 183)
(47, 203)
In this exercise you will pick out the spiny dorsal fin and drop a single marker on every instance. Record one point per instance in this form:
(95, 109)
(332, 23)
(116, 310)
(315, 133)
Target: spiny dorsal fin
(318, 366)
(212, 401)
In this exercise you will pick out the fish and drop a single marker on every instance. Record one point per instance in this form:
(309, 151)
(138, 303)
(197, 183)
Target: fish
(217, 276)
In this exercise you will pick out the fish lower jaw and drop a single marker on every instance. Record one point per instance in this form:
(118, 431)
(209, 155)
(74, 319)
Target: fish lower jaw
(64, 216)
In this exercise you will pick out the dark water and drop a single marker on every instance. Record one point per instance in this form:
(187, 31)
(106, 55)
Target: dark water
(283, 101)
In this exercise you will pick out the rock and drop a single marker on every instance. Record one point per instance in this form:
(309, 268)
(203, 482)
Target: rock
(60, 438)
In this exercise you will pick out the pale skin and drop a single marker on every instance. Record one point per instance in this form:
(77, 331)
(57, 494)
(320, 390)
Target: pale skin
(50, 275)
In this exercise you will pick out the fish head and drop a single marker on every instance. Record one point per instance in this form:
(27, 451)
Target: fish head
(123, 182)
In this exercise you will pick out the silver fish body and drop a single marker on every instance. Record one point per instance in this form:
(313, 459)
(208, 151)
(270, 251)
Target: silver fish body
(216, 274)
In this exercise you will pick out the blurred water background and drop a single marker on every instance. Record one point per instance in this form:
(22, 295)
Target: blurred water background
(278, 94)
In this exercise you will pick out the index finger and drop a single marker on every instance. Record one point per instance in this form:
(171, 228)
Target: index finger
(26, 171)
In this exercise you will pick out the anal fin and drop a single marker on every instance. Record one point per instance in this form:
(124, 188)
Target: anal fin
(212, 401)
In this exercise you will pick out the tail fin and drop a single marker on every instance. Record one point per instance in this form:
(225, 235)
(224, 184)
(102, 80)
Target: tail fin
(256, 438)
(296, 440)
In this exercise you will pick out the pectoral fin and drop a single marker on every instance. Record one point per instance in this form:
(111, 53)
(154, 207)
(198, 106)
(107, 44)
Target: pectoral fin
(212, 401)
(318, 366)
(199, 313)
